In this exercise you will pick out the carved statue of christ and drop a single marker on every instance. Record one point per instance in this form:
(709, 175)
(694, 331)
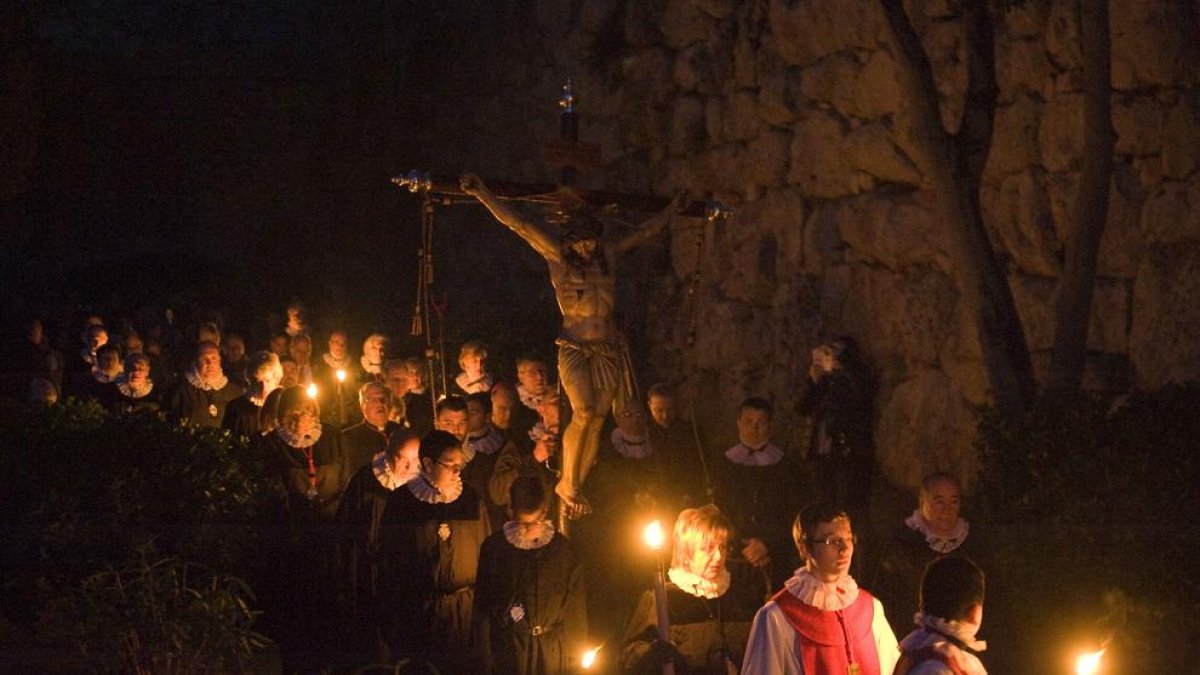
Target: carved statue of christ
(593, 360)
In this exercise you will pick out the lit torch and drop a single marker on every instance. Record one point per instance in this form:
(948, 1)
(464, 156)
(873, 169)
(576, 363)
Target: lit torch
(589, 658)
(654, 537)
(311, 391)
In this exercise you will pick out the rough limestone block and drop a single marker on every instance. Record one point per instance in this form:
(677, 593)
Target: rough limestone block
(925, 425)
(1165, 335)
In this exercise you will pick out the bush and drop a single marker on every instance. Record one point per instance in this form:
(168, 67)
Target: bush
(95, 502)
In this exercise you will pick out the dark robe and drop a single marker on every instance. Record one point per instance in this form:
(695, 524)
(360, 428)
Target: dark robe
(242, 418)
(290, 466)
(359, 519)
(547, 584)
(236, 372)
(361, 442)
(478, 474)
(427, 583)
(762, 502)
(512, 462)
(91, 389)
(897, 581)
(841, 451)
(418, 410)
(686, 464)
(120, 403)
(190, 405)
(706, 632)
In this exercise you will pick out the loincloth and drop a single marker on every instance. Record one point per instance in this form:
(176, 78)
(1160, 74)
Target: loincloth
(607, 364)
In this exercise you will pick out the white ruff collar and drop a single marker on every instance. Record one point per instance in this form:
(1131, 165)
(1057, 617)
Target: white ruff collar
(342, 363)
(103, 377)
(528, 398)
(936, 542)
(816, 593)
(300, 442)
(765, 456)
(486, 444)
(529, 538)
(422, 489)
(211, 384)
(538, 431)
(372, 368)
(294, 329)
(483, 384)
(385, 476)
(636, 450)
(126, 389)
(965, 632)
(695, 585)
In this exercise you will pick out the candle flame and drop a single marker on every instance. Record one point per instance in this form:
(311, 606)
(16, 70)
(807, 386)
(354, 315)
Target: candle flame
(1088, 664)
(653, 535)
(589, 658)
(341, 375)
(311, 391)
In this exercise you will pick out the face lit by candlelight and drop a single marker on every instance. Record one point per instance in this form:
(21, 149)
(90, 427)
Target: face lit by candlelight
(444, 472)
(754, 427)
(108, 361)
(301, 348)
(707, 563)
(337, 345)
(374, 349)
(415, 377)
(477, 416)
(208, 362)
(548, 409)
(138, 371)
(291, 373)
(503, 401)
(532, 376)
(300, 420)
(829, 550)
(662, 410)
(471, 363)
(941, 505)
(406, 463)
(97, 337)
(396, 379)
(375, 402)
(453, 421)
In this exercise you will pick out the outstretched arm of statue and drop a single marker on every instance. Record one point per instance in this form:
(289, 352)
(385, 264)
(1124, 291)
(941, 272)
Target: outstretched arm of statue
(533, 235)
(650, 227)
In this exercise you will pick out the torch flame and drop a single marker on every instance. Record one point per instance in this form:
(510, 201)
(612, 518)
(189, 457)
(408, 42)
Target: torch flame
(341, 375)
(589, 658)
(1088, 664)
(311, 391)
(653, 535)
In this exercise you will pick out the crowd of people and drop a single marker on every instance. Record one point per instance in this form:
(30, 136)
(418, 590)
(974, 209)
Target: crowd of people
(427, 530)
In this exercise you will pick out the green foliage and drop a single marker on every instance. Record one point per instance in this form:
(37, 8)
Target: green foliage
(158, 615)
(98, 504)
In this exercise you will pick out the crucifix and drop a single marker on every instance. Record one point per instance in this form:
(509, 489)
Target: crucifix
(593, 359)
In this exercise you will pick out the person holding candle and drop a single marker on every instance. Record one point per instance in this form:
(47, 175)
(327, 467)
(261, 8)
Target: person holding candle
(944, 643)
(338, 400)
(243, 415)
(363, 441)
(306, 460)
(709, 605)
(822, 623)
(530, 603)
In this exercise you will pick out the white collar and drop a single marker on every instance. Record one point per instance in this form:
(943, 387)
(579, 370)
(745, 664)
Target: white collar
(697, 586)
(372, 368)
(528, 398)
(538, 431)
(88, 355)
(342, 363)
(812, 591)
(383, 472)
(422, 489)
(417, 392)
(296, 329)
(300, 442)
(940, 544)
(103, 377)
(924, 637)
(743, 454)
(529, 538)
(212, 384)
(488, 443)
(482, 384)
(124, 387)
(635, 450)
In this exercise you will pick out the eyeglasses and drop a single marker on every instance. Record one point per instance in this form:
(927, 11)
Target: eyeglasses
(456, 468)
(839, 542)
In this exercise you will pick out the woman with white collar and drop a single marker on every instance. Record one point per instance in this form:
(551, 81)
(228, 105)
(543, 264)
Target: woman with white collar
(134, 389)
(432, 529)
(710, 608)
(530, 602)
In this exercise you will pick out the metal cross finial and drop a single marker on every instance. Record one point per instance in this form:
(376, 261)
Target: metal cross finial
(567, 100)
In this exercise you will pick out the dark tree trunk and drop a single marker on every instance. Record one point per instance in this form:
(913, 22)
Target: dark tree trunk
(953, 164)
(1090, 210)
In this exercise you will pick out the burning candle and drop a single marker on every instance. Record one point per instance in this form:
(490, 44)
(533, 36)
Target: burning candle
(311, 391)
(341, 377)
(655, 537)
(1089, 663)
(589, 658)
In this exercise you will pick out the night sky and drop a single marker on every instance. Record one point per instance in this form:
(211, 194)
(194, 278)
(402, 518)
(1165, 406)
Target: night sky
(232, 156)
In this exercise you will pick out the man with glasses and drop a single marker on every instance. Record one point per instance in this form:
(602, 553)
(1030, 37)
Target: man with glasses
(361, 442)
(822, 623)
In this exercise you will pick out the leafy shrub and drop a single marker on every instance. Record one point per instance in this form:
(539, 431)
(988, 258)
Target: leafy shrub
(93, 501)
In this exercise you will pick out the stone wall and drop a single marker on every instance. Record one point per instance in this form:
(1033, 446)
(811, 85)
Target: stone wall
(790, 111)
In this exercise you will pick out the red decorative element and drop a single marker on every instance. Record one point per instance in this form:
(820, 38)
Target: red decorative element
(829, 641)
